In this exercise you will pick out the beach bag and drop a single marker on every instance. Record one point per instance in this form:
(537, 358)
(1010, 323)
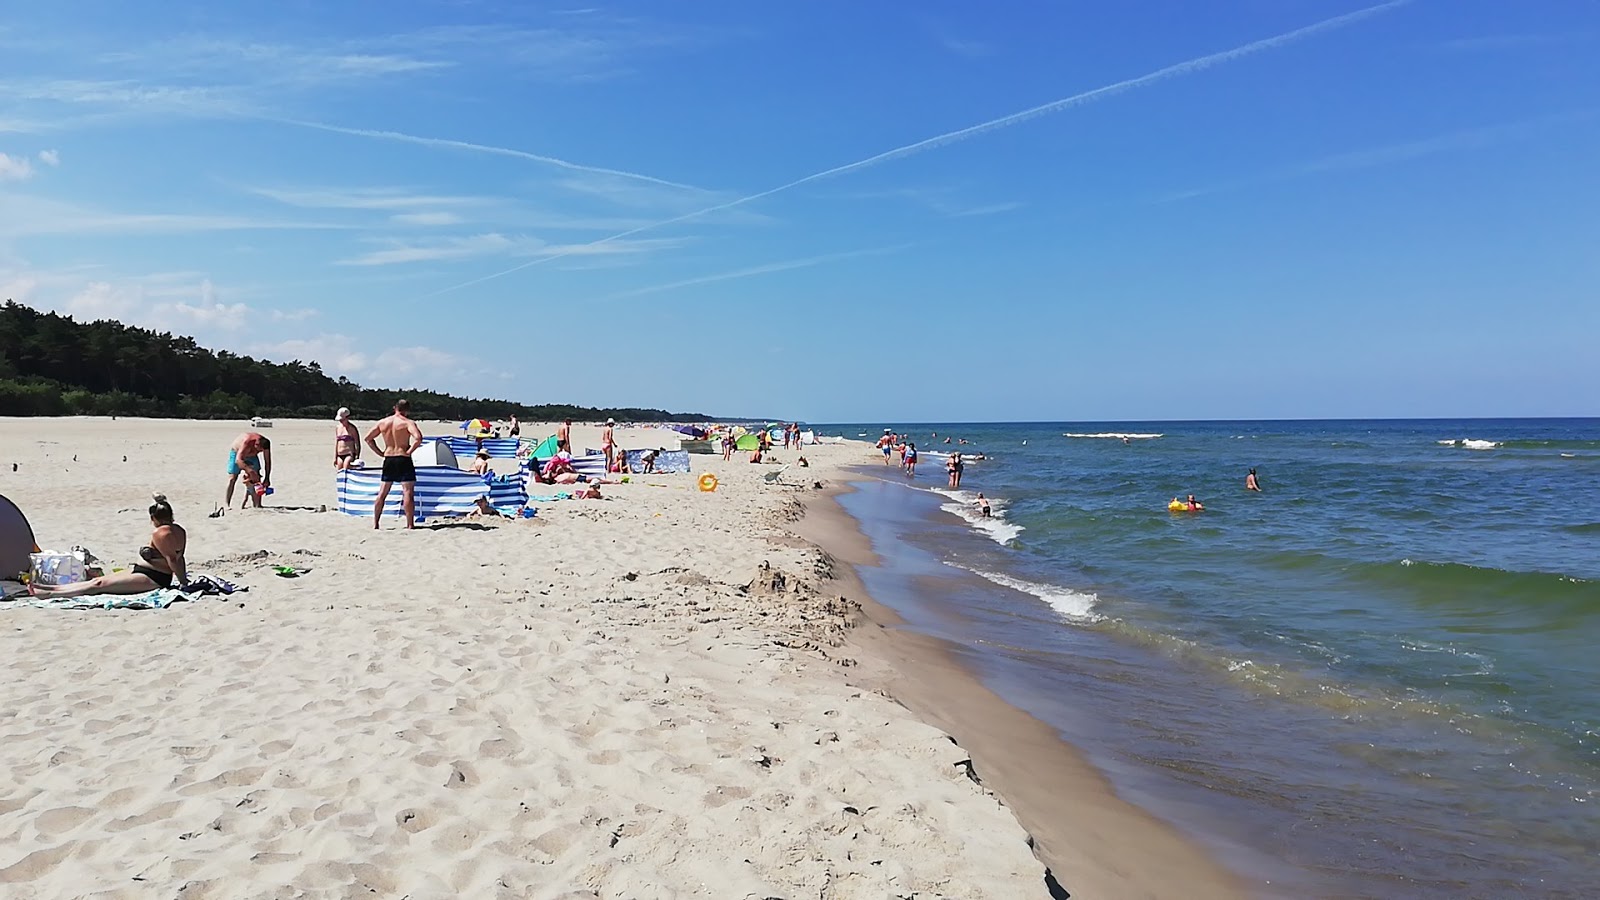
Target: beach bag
(54, 569)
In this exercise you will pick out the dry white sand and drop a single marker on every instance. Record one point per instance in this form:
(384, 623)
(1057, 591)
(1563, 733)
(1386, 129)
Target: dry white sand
(617, 699)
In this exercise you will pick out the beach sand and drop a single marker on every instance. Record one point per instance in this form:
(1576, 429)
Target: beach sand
(653, 695)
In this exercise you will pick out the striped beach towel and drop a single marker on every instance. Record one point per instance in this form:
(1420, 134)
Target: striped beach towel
(441, 491)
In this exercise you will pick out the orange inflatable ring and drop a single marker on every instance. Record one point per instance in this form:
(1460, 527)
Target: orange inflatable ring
(708, 482)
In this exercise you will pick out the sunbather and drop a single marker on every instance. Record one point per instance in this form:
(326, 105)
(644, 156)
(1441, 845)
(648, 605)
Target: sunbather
(162, 563)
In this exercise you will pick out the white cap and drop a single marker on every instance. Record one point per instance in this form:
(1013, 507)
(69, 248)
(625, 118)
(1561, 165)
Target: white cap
(343, 413)
(611, 421)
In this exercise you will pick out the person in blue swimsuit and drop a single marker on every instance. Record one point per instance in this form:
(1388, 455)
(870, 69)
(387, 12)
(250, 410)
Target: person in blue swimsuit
(245, 458)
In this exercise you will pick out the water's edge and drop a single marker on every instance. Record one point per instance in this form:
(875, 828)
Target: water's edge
(1094, 841)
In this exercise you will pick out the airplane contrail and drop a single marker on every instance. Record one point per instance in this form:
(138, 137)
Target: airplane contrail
(764, 269)
(939, 140)
(448, 143)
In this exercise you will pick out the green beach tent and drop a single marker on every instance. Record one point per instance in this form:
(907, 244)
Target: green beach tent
(546, 449)
(748, 442)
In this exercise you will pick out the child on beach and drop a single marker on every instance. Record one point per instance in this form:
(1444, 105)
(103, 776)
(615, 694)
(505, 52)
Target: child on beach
(983, 507)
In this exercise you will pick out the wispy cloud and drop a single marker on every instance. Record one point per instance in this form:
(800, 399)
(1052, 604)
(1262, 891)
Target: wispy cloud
(1390, 154)
(494, 244)
(15, 168)
(183, 301)
(129, 97)
(989, 209)
(375, 198)
(751, 271)
(469, 146)
(426, 218)
(968, 48)
(1198, 64)
(316, 64)
(1526, 41)
(340, 354)
(25, 216)
(50, 158)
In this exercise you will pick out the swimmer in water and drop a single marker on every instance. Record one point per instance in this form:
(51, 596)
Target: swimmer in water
(1194, 505)
(1250, 482)
(983, 506)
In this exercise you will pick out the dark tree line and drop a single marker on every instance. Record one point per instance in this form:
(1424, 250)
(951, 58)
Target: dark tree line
(52, 365)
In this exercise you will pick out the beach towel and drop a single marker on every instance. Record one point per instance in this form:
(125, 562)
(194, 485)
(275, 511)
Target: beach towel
(199, 586)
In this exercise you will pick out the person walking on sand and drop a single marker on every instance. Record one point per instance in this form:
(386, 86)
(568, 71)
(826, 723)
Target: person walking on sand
(245, 457)
(516, 428)
(161, 563)
(608, 442)
(911, 459)
(886, 444)
(400, 436)
(346, 440)
(1250, 482)
(564, 436)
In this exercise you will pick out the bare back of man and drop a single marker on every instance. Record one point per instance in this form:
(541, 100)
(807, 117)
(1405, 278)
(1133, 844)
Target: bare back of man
(400, 436)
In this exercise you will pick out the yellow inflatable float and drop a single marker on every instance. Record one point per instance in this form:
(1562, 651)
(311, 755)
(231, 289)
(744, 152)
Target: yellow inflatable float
(708, 482)
(1177, 506)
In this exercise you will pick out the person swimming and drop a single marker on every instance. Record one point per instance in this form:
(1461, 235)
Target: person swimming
(1194, 505)
(1250, 482)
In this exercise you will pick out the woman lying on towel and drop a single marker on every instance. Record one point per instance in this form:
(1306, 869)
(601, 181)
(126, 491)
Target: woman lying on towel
(161, 563)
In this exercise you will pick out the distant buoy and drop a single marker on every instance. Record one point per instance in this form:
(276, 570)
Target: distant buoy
(708, 482)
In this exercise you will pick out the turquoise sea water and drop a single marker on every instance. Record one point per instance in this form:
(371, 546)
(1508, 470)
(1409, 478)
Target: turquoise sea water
(1380, 676)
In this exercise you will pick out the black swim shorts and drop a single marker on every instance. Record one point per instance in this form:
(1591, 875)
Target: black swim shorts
(399, 469)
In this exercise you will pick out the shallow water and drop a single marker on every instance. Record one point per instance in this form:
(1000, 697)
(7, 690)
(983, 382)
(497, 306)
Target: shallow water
(1375, 677)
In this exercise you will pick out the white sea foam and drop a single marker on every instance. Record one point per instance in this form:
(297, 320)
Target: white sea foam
(1074, 606)
(965, 505)
(1471, 444)
(1114, 435)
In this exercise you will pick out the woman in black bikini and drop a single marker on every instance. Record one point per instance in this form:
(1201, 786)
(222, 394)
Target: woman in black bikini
(161, 563)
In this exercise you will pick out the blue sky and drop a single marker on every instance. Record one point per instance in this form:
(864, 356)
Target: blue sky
(1257, 208)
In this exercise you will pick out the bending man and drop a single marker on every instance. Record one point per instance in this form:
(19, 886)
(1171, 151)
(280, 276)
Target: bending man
(245, 457)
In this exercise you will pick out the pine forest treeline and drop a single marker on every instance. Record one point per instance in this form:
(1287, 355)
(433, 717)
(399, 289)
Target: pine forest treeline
(52, 365)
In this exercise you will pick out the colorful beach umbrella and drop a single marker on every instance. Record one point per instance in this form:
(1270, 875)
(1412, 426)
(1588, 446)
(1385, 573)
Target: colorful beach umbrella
(477, 427)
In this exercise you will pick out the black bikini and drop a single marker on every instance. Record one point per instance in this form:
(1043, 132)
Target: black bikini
(151, 554)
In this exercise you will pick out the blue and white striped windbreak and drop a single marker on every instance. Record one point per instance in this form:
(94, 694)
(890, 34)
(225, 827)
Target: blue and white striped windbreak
(466, 448)
(441, 491)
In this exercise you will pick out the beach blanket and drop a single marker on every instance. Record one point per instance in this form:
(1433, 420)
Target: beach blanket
(441, 491)
(161, 598)
(499, 448)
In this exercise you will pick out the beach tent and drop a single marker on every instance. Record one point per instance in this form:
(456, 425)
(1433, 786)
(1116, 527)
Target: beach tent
(441, 491)
(16, 540)
(748, 442)
(546, 449)
(499, 448)
(435, 452)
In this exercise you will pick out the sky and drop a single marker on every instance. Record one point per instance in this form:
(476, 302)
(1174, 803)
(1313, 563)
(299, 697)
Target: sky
(833, 211)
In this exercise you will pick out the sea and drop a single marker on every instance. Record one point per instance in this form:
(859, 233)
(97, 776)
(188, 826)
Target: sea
(1379, 676)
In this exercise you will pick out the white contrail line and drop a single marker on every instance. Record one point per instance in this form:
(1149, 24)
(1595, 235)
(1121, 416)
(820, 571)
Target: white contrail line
(1173, 71)
(749, 271)
(448, 143)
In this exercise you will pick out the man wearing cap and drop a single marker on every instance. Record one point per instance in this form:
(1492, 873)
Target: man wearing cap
(346, 440)
(608, 443)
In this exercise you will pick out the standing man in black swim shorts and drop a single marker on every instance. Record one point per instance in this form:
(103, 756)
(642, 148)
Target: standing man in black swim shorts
(400, 437)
